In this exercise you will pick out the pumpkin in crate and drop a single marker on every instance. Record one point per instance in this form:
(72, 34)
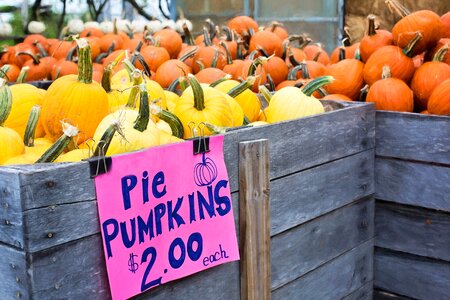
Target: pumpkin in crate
(391, 93)
(75, 99)
(439, 102)
(8, 136)
(373, 40)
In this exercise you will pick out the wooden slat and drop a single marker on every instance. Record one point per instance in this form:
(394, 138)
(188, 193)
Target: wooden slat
(14, 283)
(306, 247)
(11, 223)
(383, 295)
(254, 220)
(335, 279)
(303, 196)
(413, 276)
(412, 183)
(74, 270)
(56, 184)
(413, 230)
(63, 223)
(363, 293)
(413, 136)
(300, 144)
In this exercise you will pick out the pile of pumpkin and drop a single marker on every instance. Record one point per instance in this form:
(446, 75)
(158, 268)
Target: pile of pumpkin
(118, 92)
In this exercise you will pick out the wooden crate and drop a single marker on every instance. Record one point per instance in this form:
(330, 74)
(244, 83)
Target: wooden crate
(412, 184)
(321, 212)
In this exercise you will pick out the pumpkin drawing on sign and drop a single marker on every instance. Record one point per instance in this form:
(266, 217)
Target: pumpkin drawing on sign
(205, 172)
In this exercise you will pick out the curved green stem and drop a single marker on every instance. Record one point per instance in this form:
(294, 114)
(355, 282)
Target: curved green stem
(28, 138)
(33, 56)
(188, 36)
(137, 81)
(227, 52)
(60, 145)
(105, 140)
(440, 54)
(371, 29)
(174, 122)
(141, 122)
(242, 87)
(199, 96)
(316, 83)
(292, 75)
(5, 101)
(409, 49)
(84, 61)
(23, 74)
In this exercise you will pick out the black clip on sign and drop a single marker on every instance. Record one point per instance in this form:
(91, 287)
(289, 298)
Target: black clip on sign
(200, 145)
(99, 165)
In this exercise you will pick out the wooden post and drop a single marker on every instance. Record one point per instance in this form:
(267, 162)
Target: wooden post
(254, 219)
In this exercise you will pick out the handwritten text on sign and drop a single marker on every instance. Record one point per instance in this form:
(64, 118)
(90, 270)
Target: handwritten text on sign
(165, 214)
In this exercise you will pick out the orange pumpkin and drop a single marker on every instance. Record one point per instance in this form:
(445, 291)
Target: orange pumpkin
(439, 102)
(242, 24)
(171, 40)
(373, 40)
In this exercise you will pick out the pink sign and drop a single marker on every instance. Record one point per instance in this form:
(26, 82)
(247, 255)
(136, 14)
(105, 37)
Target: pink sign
(165, 214)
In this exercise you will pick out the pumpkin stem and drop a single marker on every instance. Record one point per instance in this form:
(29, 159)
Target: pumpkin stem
(188, 54)
(71, 53)
(239, 49)
(242, 87)
(371, 29)
(317, 55)
(107, 72)
(206, 37)
(84, 61)
(215, 58)
(252, 55)
(396, 7)
(261, 60)
(141, 122)
(262, 51)
(270, 83)
(227, 51)
(409, 49)
(219, 81)
(264, 91)
(41, 49)
(305, 70)
(386, 72)
(200, 65)
(284, 49)
(188, 39)
(305, 43)
(4, 70)
(28, 137)
(342, 54)
(316, 83)
(357, 54)
(23, 74)
(115, 30)
(174, 122)
(440, 54)
(347, 41)
(228, 33)
(107, 137)
(184, 84)
(60, 145)
(292, 59)
(274, 25)
(363, 93)
(5, 101)
(215, 130)
(199, 97)
(292, 75)
(33, 56)
(211, 29)
(137, 81)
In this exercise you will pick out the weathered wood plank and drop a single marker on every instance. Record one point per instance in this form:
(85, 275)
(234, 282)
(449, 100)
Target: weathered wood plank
(11, 220)
(75, 270)
(363, 293)
(413, 136)
(412, 183)
(254, 216)
(302, 196)
(413, 230)
(315, 140)
(412, 276)
(63, 223)
(383, 295)
(335, 279)
(61, 183)
(14, 283)
(306, 247)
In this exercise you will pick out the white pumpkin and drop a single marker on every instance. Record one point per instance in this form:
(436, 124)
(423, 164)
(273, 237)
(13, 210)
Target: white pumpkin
(92, 24)
(36, 27)
(75, 26)
(168, 24)
(124, 25)
(154, 26)
(5, 29)
(179, 25)
(107, 26)
(138, 25)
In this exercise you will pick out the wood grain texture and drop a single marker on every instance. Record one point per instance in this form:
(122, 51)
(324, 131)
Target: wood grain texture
(412, 183)
(333, 280)
(303, 143)
(306, 247)
(413, 230)
(412, 276)
(363, 293)
(56, 184)
(254, 220)
(75, 270)
(14, 283)
(383, 295)
(413, 136)
(300, 197)
(63, 223)
(11, 219)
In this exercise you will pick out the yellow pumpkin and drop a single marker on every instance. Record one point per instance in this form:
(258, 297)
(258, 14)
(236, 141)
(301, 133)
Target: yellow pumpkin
(238, 112)
(199, 104)
(164, 126)
(137, 130)
(247, 99)
(74, 156)
(10, 141)
(166, 138)
(171, 100)
(23, 159)
(24, 97)
(75, 99)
